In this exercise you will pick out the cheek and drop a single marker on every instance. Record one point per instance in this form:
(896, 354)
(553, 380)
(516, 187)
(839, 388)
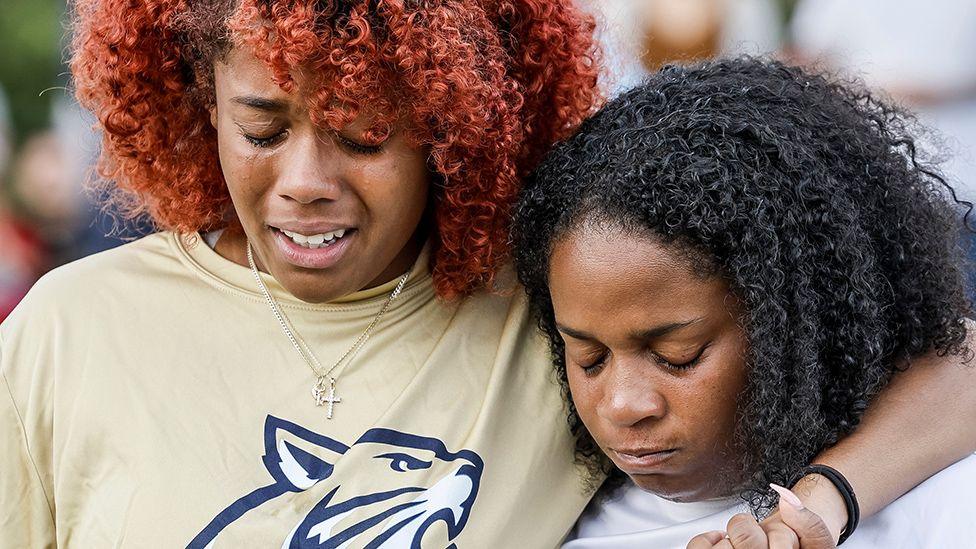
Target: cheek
(719, 408)
(246, 173)
(586, 394)
(396, 193)
(730, 381)
(249, 183)
(714, 401)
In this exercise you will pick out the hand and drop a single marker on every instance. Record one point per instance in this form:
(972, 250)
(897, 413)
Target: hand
(791, 527)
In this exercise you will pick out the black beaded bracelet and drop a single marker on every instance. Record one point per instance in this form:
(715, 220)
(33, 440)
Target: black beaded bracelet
(846, 491)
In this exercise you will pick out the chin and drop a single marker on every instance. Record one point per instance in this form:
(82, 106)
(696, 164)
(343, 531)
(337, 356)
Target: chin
(683, 488)
(313, 288)
(315, 297)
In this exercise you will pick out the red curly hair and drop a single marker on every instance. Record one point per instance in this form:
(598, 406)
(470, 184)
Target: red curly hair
(488, 85)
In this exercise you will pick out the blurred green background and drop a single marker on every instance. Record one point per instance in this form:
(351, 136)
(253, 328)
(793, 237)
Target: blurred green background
(31, 41)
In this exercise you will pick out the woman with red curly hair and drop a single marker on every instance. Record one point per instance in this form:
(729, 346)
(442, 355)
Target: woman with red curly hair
(305, 355)
(290, 362)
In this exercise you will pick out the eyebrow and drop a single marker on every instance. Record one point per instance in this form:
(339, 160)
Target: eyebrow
(650, 333)
(260, 103)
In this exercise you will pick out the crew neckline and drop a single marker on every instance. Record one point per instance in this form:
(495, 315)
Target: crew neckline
(222, 271)
(672, 512)
(629, 514)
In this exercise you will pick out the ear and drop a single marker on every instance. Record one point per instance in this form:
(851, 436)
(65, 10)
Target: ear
(213, 115)
(300, 468)
(296, 456)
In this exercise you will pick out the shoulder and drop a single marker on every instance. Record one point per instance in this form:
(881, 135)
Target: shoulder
(936, 513)
(950, 488)
(114, 270)
(85, 291)
(497, 327)
(506, 301)
(948, 491)
(505, 310)
(137, 257)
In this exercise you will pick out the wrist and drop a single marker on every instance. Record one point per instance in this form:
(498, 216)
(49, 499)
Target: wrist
(819, 495)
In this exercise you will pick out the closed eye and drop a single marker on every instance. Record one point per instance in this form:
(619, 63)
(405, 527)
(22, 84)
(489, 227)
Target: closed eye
(358, 148)
(686, 365)
(593, 366)
(404, 462)
(262, 141)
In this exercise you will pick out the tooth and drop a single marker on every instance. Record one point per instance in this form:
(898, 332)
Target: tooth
(289, 233)
(339, 233)
(299, 238)
(317, 239)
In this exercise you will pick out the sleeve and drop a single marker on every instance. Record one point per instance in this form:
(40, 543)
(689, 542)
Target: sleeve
(26, 512)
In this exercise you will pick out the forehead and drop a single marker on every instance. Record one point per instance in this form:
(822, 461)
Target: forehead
(241, 71)
(604, 271)
(240, 74)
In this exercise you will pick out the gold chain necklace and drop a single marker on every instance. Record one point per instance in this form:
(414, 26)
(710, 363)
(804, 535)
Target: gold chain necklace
(323, 380)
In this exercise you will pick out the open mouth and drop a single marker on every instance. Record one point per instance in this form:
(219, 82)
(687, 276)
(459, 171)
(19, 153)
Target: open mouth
(318, 250)
(315, 241)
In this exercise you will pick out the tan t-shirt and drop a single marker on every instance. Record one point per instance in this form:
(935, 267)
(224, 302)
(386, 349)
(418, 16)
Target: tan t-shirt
(150, 399)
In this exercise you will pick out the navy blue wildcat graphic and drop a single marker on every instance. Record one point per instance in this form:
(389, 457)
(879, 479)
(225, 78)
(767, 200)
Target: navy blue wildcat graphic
(397, 515)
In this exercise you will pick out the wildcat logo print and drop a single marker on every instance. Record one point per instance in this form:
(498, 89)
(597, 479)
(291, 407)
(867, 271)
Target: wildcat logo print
(393, 489)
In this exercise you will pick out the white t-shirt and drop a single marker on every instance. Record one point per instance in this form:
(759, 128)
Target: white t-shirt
(940, 513)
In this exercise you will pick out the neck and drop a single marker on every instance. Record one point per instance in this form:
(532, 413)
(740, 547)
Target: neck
(232, 246)
(402, 263)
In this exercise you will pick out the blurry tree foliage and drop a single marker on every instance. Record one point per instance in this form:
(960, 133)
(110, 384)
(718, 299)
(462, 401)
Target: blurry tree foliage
(786, 9)
(30, 60)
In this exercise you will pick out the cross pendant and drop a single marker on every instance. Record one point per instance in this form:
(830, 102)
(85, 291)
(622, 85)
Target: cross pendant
(318, 393)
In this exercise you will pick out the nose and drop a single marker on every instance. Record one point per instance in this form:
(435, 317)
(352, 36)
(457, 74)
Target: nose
(632, 396)
(311, 172)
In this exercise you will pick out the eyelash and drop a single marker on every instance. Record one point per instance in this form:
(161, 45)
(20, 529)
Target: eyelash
(684, 365)
(359, 148)
(265, 142)
(594, 367)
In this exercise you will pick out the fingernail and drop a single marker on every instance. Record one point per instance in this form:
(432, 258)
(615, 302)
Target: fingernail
(787, 495)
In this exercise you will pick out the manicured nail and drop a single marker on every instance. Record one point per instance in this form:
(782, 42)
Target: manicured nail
(788, 496)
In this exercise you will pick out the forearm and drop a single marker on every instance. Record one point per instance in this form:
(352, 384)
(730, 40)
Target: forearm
(922, 422)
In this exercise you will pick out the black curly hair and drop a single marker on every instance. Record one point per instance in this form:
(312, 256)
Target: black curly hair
(809, 197)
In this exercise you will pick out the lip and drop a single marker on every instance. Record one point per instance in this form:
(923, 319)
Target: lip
(642, 460)
(308, 258)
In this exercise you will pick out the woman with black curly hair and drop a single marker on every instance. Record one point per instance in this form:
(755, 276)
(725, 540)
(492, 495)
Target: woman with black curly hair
(730, 261)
